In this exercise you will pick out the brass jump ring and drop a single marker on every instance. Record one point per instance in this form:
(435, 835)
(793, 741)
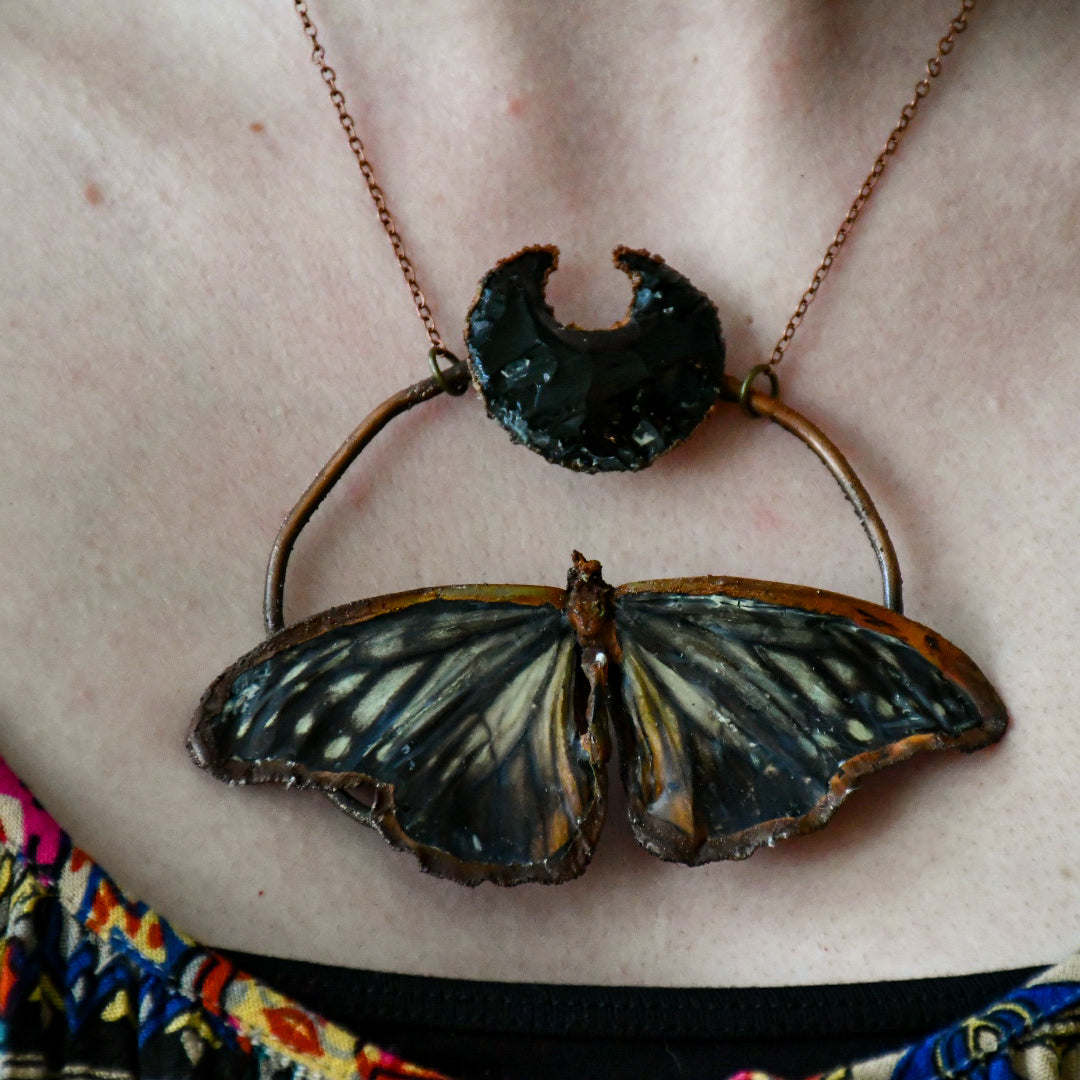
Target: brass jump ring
(451, 379)
(747, 385)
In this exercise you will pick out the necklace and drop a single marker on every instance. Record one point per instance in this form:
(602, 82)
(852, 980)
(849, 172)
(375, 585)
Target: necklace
(472, 724)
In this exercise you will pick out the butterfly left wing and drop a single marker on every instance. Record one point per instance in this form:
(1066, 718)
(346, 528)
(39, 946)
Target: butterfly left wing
(452, 712)
(749, 710)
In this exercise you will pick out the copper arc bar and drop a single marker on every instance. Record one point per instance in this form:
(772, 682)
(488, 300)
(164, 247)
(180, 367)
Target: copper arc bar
(379, 417)
(830, 456)
(331, 473)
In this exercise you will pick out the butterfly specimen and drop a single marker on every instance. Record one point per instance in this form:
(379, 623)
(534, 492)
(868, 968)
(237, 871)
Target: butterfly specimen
(471, 724)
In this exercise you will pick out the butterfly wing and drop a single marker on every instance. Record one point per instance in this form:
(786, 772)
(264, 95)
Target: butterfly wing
(750, 710)
(451, 712)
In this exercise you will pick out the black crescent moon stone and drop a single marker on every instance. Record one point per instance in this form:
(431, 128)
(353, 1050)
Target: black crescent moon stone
(595, 400)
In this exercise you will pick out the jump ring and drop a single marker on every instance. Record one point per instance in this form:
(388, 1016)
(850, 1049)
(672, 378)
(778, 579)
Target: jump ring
(748, 382)
(449, 379)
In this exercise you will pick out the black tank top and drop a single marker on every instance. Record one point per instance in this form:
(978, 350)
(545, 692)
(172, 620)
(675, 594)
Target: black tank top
(500, 1031)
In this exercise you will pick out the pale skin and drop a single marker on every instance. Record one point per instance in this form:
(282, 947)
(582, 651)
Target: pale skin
(198, 304)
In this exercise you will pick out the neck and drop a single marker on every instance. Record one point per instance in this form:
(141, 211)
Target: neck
(661, 112)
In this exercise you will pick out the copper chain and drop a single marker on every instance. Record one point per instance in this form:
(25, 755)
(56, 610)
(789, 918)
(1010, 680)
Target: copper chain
(907, 114)
(933, 69)
(356, 145)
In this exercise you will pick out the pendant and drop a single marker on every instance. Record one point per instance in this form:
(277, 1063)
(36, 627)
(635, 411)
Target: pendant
(595, 400)
(472, 724)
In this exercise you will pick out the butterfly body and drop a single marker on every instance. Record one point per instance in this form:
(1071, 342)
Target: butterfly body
(472, 724)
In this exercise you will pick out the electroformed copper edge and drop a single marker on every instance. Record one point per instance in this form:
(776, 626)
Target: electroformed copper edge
(623, 333)
(952, 661)
(372, 802)
(352, 792)
(938, 650)
(564, 865)
(367, 799)
(618, 259)
(362, 796)
(200, 738)
(739, 846)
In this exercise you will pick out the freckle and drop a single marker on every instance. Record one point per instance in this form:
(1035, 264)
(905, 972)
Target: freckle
(515, 106)
(1069, 218)
(256, 126)
(696, 59)
(749, 320)
(93, 194)
(767, 520)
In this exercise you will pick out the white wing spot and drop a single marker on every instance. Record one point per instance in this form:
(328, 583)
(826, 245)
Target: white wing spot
(858, 730)
(293, 673)
(343, 687)
(821, 696)
(303, 725)
(842, 670)
(337, 747)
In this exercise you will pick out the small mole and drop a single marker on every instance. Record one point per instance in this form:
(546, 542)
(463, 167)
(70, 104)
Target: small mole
(749, 320)
(515, 106)
(256, 126)
(261, 892)
(93, 194)
(696, 59)
(767, 520)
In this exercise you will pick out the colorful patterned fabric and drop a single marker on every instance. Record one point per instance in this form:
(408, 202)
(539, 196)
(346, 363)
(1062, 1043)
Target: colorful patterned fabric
(1032, 1033)
(94, 986)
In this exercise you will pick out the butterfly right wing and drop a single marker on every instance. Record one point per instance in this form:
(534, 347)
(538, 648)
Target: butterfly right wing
(452, 712)
(750, 710)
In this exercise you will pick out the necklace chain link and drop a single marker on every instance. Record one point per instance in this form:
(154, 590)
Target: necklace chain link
(356, 145)
(922, 88)
(907, 114)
